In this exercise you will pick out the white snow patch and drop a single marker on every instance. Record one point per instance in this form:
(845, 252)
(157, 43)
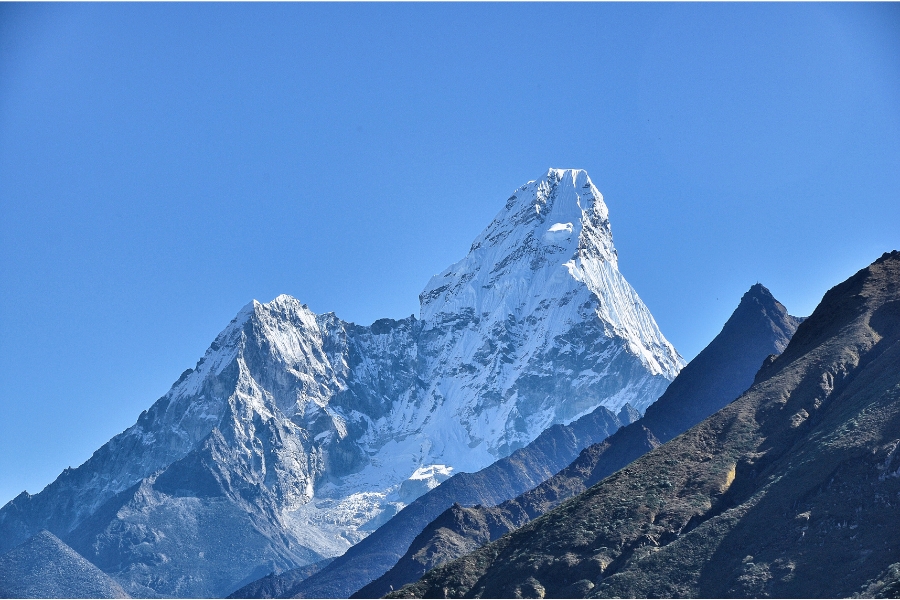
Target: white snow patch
(567, 227)
(431, 471)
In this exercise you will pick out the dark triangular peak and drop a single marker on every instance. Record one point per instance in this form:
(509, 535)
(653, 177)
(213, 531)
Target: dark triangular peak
(758, 298)
(759, 327)
(44, 567)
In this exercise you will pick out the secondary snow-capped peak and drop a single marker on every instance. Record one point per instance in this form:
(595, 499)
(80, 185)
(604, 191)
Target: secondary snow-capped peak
(284, 330)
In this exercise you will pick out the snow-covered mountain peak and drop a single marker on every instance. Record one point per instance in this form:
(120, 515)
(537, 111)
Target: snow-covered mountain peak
(306, 428)
(548, 256)
(543, 225)
(573, 188)
(560, 196)
(283, 315)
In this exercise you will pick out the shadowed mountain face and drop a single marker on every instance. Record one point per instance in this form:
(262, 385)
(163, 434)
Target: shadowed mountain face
(758, 328)
(44, 567)
(276, 586)
(522, 470)
(792, 490)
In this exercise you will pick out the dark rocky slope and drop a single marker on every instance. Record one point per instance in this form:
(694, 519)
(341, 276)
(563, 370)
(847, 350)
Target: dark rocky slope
(886, 585)
(759, 327)
(504, 479)
(44, 567)
(792, 490)
(276, 586)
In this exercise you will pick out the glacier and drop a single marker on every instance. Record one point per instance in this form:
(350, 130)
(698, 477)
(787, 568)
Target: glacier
(297, 433)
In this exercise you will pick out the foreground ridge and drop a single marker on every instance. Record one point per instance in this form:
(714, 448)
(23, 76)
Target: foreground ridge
(792, 490)
(45, 567)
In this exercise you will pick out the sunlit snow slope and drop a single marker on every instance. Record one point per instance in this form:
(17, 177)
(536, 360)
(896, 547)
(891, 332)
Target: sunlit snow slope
(296, 433)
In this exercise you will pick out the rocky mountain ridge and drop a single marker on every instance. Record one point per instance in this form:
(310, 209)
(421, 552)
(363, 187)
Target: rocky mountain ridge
(792, 490)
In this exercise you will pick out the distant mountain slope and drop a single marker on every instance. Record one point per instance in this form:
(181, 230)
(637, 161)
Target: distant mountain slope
(522, 470)
(44, 567)
(792, 490)
(276, 586)
(760, 326)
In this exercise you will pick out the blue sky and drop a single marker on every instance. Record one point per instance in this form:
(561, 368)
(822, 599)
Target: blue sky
(163, 164)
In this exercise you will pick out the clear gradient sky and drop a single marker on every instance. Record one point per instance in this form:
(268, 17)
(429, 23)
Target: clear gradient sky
(163, 164)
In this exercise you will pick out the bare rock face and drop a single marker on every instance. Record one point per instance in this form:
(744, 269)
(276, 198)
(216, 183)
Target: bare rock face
(759, 327)
(792, 490)
(522, 470)
(44, 567)
(296, 431)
